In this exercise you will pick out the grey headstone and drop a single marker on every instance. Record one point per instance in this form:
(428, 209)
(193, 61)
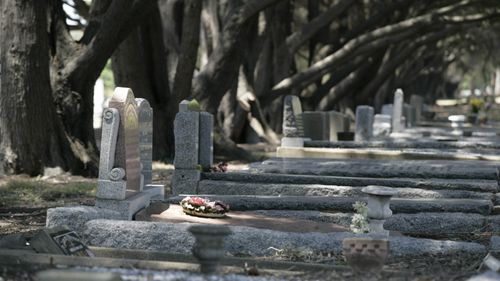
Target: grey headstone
(418, 102)
(292, 119)
(336, 123)
(183, 106)
(397, 111)
(364, 123)
(316, 125)
(186, 132)
(409, 113)
(127, 143)
(109, 186)
(381, 125)
(185, 181)
(387, 109)
(145, 113)
(206, 125)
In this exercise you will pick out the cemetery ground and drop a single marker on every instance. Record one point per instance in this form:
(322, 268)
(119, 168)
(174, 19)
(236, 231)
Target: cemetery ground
(26, 200)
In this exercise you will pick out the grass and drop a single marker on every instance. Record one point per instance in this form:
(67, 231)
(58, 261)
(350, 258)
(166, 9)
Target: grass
(34, 192)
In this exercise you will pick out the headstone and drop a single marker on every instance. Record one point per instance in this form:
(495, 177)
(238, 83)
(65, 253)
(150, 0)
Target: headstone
(387, 109)
(316, 125)
(206, 140)
(186, 133)
(145, 113)
(397, 111)
(381, 125)
(409, 115)
(183, 106)
(127, 144)
(364, 123)
(292, 119)
(418, 102)
(336, 123)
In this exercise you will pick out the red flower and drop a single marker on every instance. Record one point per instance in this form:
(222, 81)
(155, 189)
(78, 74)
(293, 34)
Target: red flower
(196, 201)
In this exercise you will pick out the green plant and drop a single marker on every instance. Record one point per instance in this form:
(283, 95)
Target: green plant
(359, 222)
(476, 105)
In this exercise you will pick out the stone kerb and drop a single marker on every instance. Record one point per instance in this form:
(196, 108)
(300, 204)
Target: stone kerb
(193, 132)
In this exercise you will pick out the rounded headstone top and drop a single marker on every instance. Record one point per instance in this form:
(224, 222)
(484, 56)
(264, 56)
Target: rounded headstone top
(379, 190)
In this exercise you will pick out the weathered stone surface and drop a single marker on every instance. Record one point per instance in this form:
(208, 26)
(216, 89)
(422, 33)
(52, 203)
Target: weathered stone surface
(423, 169)
(186, 131)
(344, 204)
(74, 275)
(397, 111)
(472, 146)
(494, 224)
(172, 237)
(145, 113)
(473, 185)
(112, 189)
(220, 187)
(336, 124)
(418, 102)
(364, 123)
(75, 217)
(316, 125)
(292, 142)
(206, 151)
(128, 207)
(292, 117)
(385, 154)
(486, 276)
(387, 109)
(381, 125)
(127, 144)
(185, 181)
(183, 106)
(495, 243)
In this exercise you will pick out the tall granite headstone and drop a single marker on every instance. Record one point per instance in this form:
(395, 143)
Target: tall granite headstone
(145, 114)
(397, 111)
(316, 125)
(336, 124)
(364, 123)
(293, 127)
(127, 153)
(206, 152)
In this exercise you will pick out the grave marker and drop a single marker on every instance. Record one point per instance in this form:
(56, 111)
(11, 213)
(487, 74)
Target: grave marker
(364, 123)
(145, 114)
(397, 111)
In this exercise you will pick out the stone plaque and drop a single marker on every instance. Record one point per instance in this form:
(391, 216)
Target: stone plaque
(127, 145)
(61, 241)
(145, 114)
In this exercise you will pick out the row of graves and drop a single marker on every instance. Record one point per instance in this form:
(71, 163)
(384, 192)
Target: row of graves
(405, 203)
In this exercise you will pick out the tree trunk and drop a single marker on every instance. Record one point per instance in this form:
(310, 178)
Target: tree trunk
(140, 64)
(31, 134)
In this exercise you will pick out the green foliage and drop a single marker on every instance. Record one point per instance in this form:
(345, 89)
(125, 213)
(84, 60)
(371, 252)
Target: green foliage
(108, 79)
(193, 105)
(359, 222)
(32, 192)
(476, 105)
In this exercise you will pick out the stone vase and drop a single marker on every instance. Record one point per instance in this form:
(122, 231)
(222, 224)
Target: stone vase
(379, 198)
(366, 256)
(208, 248)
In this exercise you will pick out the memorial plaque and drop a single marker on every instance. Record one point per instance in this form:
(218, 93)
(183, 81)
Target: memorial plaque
(59, 241)
(127, 145)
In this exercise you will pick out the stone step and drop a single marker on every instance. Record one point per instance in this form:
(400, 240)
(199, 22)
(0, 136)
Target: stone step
(473, 145)
(277, 189)
(344, 204)
(174, 237)
(423, 169)
(422, 224)
(386, 154)
(434, 184)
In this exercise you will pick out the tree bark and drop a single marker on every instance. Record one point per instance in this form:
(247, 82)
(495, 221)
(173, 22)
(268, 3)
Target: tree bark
(31, 135)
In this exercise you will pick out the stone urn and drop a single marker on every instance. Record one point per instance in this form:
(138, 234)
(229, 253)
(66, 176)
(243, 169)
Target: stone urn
(208, 248)
(366, 256)
(379, 210)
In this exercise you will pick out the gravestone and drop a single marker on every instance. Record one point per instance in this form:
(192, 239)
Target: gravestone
(381, 125)
(59, 241)
(387, 109)
(127, 143)
(316, 125)
(364, 123)
(206, 142)
(409, 113)
(293, 127)
(418, 102)
(145, 114)
(336, 123)
(397, 111)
